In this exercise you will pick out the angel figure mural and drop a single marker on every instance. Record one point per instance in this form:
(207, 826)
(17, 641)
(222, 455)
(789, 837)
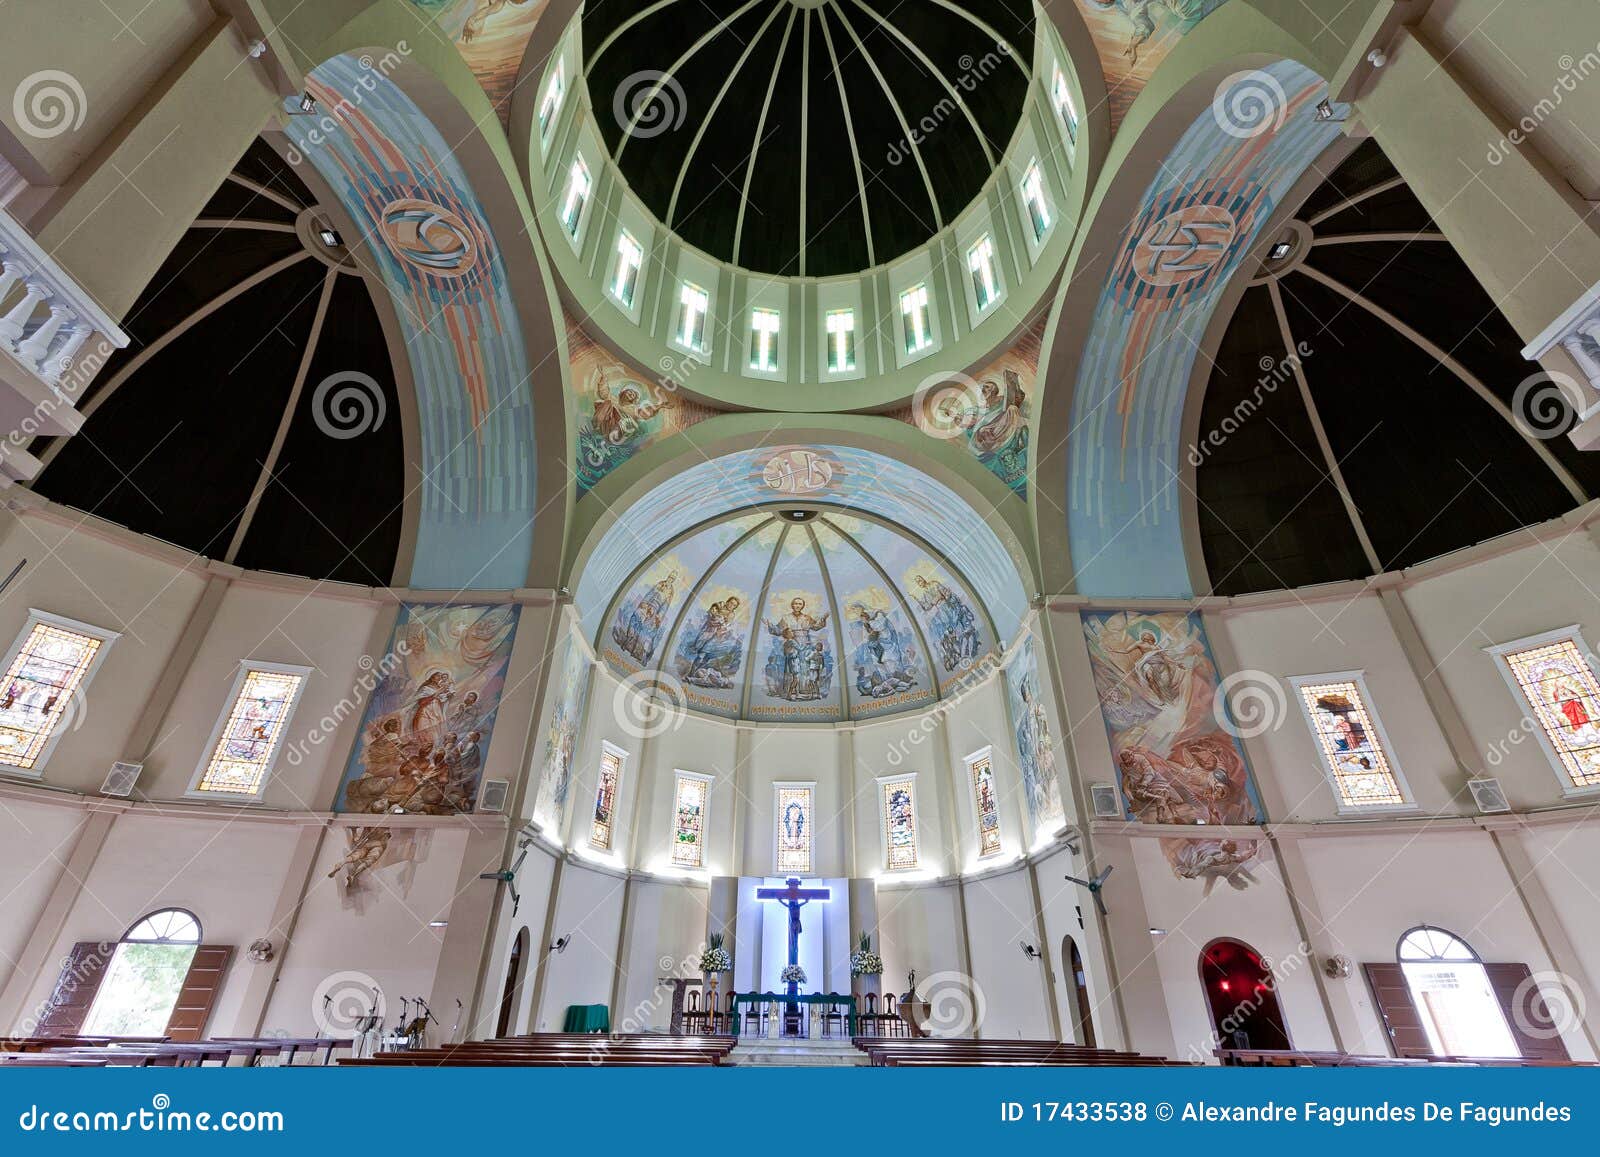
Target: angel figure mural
(882, 652)
(951, 620)
(431, 713)
(1176, 760)
(1143, 15)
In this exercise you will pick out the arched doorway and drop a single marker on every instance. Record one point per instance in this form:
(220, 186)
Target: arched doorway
(513, 989)
(147, 972)
(1454, 998)
(1243, 997)
(1082, 1009)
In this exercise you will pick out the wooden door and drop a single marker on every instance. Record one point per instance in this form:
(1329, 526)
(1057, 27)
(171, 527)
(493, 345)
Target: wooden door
(206, 973)
(1392, 995)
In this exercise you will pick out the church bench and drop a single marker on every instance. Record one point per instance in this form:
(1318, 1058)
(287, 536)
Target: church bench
(928, 1052)
(538, 1058)
(1290, 1058)
(46, 1061)
(291, 1047)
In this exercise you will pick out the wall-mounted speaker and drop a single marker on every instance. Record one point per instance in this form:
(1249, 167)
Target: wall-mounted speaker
(492, 796)
(1106, 802)
(1489, 795)
(121, 778)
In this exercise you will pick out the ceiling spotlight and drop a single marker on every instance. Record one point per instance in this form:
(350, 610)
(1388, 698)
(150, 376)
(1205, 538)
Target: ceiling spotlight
(1030, 951)
(308, 103)
(258, 49)
(1281, 250)
(329, 237)
(561, 944)
(1324, 110)
(1158, 931)
(438, 923)
(1377, 58)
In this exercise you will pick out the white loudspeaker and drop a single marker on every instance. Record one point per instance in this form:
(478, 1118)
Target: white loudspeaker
(492, 796)
(1489, 795)
(121, 778)
(1107, 805)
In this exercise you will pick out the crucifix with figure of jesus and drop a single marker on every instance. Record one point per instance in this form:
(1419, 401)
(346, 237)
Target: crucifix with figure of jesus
(793, 897)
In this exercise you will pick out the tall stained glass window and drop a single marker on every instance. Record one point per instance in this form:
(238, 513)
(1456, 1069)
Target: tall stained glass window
(1350, 741)
(605, 797)
(250, 733)
(689, 818)
(899, 804)
(981, 767)
(792, 803)
(1557, 683)
(53, 660)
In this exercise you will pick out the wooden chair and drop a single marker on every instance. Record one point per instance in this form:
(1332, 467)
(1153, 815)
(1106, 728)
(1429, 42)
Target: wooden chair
(892, 1024)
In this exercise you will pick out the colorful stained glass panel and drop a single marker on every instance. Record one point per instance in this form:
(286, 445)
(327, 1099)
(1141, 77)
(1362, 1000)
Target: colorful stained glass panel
(988, 809)
(688, 831)
(605, 798)
(1349, 744)
(1559, 686)
(42, 679)
(250, 737)
(899, 824)
(794, 828)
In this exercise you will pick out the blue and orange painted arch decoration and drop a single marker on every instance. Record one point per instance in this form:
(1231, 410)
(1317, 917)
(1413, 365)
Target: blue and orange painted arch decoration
(1199, 218)
(430, 238)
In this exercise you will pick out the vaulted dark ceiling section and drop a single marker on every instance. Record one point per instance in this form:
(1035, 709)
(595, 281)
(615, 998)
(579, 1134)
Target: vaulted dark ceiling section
(780, 136)
(1413, 375)
(183, 425)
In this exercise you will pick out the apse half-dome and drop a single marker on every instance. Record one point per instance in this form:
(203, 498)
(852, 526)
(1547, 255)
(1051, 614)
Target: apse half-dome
(803, 614)
(810, 137)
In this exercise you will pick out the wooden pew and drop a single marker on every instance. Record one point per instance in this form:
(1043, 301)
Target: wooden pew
(926, 1052)
(562, 1049)
(1295, 1058)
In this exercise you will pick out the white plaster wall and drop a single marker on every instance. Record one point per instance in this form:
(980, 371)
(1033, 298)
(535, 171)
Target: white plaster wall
(999, 918)
(804, 755)
(1566, 862)
(227, 874)
(1372, 889)
(38, 838)
(380, 932)
(1497, 600)
(901, 747)
(88, 578)
(589, 909)
(981, 719)
(323, 632)
(919, 926)
(1260, 916)
(696, 744)
(667, 925)
(533, 885)
(1319, 638)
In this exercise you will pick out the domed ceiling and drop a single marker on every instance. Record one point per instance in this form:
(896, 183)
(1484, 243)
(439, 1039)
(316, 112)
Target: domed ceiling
(808, 137)
(254, 418)
(791, 614)
(1405, 369)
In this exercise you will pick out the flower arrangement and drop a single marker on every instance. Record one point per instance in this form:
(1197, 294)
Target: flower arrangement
(793, 974)
(864, 961)
(716, 958)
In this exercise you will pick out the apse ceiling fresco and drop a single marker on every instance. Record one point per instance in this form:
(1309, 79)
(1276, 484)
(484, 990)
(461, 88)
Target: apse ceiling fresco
(1198, 219)
(429, 236)
(866, 486)
(784, 615)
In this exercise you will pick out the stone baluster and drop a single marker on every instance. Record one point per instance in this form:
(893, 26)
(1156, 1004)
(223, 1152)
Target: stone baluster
(14, 323)
(35, 349)
(10, 274)
(62, 361)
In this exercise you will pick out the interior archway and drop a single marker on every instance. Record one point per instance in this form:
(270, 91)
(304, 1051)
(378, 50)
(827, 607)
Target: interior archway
(1242, 996)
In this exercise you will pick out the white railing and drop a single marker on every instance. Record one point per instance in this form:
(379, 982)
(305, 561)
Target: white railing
(46, 318)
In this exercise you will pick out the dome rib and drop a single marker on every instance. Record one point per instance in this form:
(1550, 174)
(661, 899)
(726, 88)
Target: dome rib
(711, 113)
